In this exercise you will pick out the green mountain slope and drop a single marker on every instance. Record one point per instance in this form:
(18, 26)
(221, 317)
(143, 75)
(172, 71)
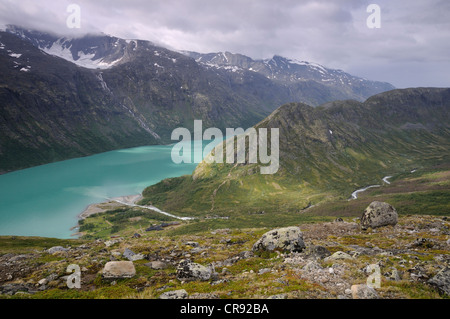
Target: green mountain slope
(325, 153)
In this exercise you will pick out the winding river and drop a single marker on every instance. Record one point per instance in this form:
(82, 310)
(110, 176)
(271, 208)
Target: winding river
(355, 193)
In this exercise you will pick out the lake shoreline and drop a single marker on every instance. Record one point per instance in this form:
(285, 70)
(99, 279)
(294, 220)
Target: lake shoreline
(109, 204)
(97, 208)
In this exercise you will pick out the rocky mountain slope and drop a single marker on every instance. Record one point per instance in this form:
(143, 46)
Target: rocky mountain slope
(298, 76)
(336, 260)
(132, 92)
(324, 152)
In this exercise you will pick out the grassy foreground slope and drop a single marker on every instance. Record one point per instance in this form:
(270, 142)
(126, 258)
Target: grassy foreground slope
(326, 153)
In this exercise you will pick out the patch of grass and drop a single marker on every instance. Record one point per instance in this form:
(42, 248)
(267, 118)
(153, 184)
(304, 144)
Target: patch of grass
(22, 245)
(123, 221)
(412, 290)
(267, 220)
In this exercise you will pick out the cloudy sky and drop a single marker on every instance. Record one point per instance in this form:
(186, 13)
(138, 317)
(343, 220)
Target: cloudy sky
(410, 49)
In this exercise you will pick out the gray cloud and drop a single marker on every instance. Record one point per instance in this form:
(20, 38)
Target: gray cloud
(410, 49)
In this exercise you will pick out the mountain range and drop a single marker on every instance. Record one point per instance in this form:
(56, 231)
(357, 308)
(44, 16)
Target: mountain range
(63, 97)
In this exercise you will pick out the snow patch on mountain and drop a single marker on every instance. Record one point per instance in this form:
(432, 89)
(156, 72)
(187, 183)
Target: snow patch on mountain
(15, 55)
(60, 49)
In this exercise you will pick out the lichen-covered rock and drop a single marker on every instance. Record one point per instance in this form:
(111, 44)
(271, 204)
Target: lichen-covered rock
(379, 214)
(190, 271)
(442, 281)
(57, 249)
(363, 292)
(175, 294)
(119, 269)
(288, 239)
(132, 256)
(339, 255)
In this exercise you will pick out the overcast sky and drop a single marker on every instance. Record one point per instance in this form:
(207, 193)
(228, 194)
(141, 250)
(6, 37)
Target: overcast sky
(410, 49)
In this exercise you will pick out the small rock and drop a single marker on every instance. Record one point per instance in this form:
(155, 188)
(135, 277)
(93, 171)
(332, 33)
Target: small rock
(225, 271)
(312, 266)
(130, 255)
(264, 270)
(363, 292)
(175, 294)
(157, 265)
(136, 235)
(109, 243)
(339, 255)
(421, 242)
(191, 243)
(56, 249)
(119, 269)
(116, 253)
(338, 220)
(217, 282)
(204, 295)
(196, 250)
(317, 252)
(43, 282)
(279, 296)
(394, 275)
(378, 214)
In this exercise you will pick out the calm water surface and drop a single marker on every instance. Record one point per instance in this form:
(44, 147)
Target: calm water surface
(46, 200)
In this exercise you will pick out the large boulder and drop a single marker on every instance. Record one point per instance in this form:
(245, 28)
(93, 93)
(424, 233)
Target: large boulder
(363, 292)
(288, 239)
(190, 271)
(119, 270)
(379, 214)
(442, 281)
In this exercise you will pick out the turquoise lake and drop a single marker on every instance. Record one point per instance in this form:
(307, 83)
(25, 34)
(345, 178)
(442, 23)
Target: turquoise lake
(46, 200)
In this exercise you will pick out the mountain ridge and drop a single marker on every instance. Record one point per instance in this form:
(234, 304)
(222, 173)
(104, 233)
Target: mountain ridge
(325, 152)
(137, 96)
